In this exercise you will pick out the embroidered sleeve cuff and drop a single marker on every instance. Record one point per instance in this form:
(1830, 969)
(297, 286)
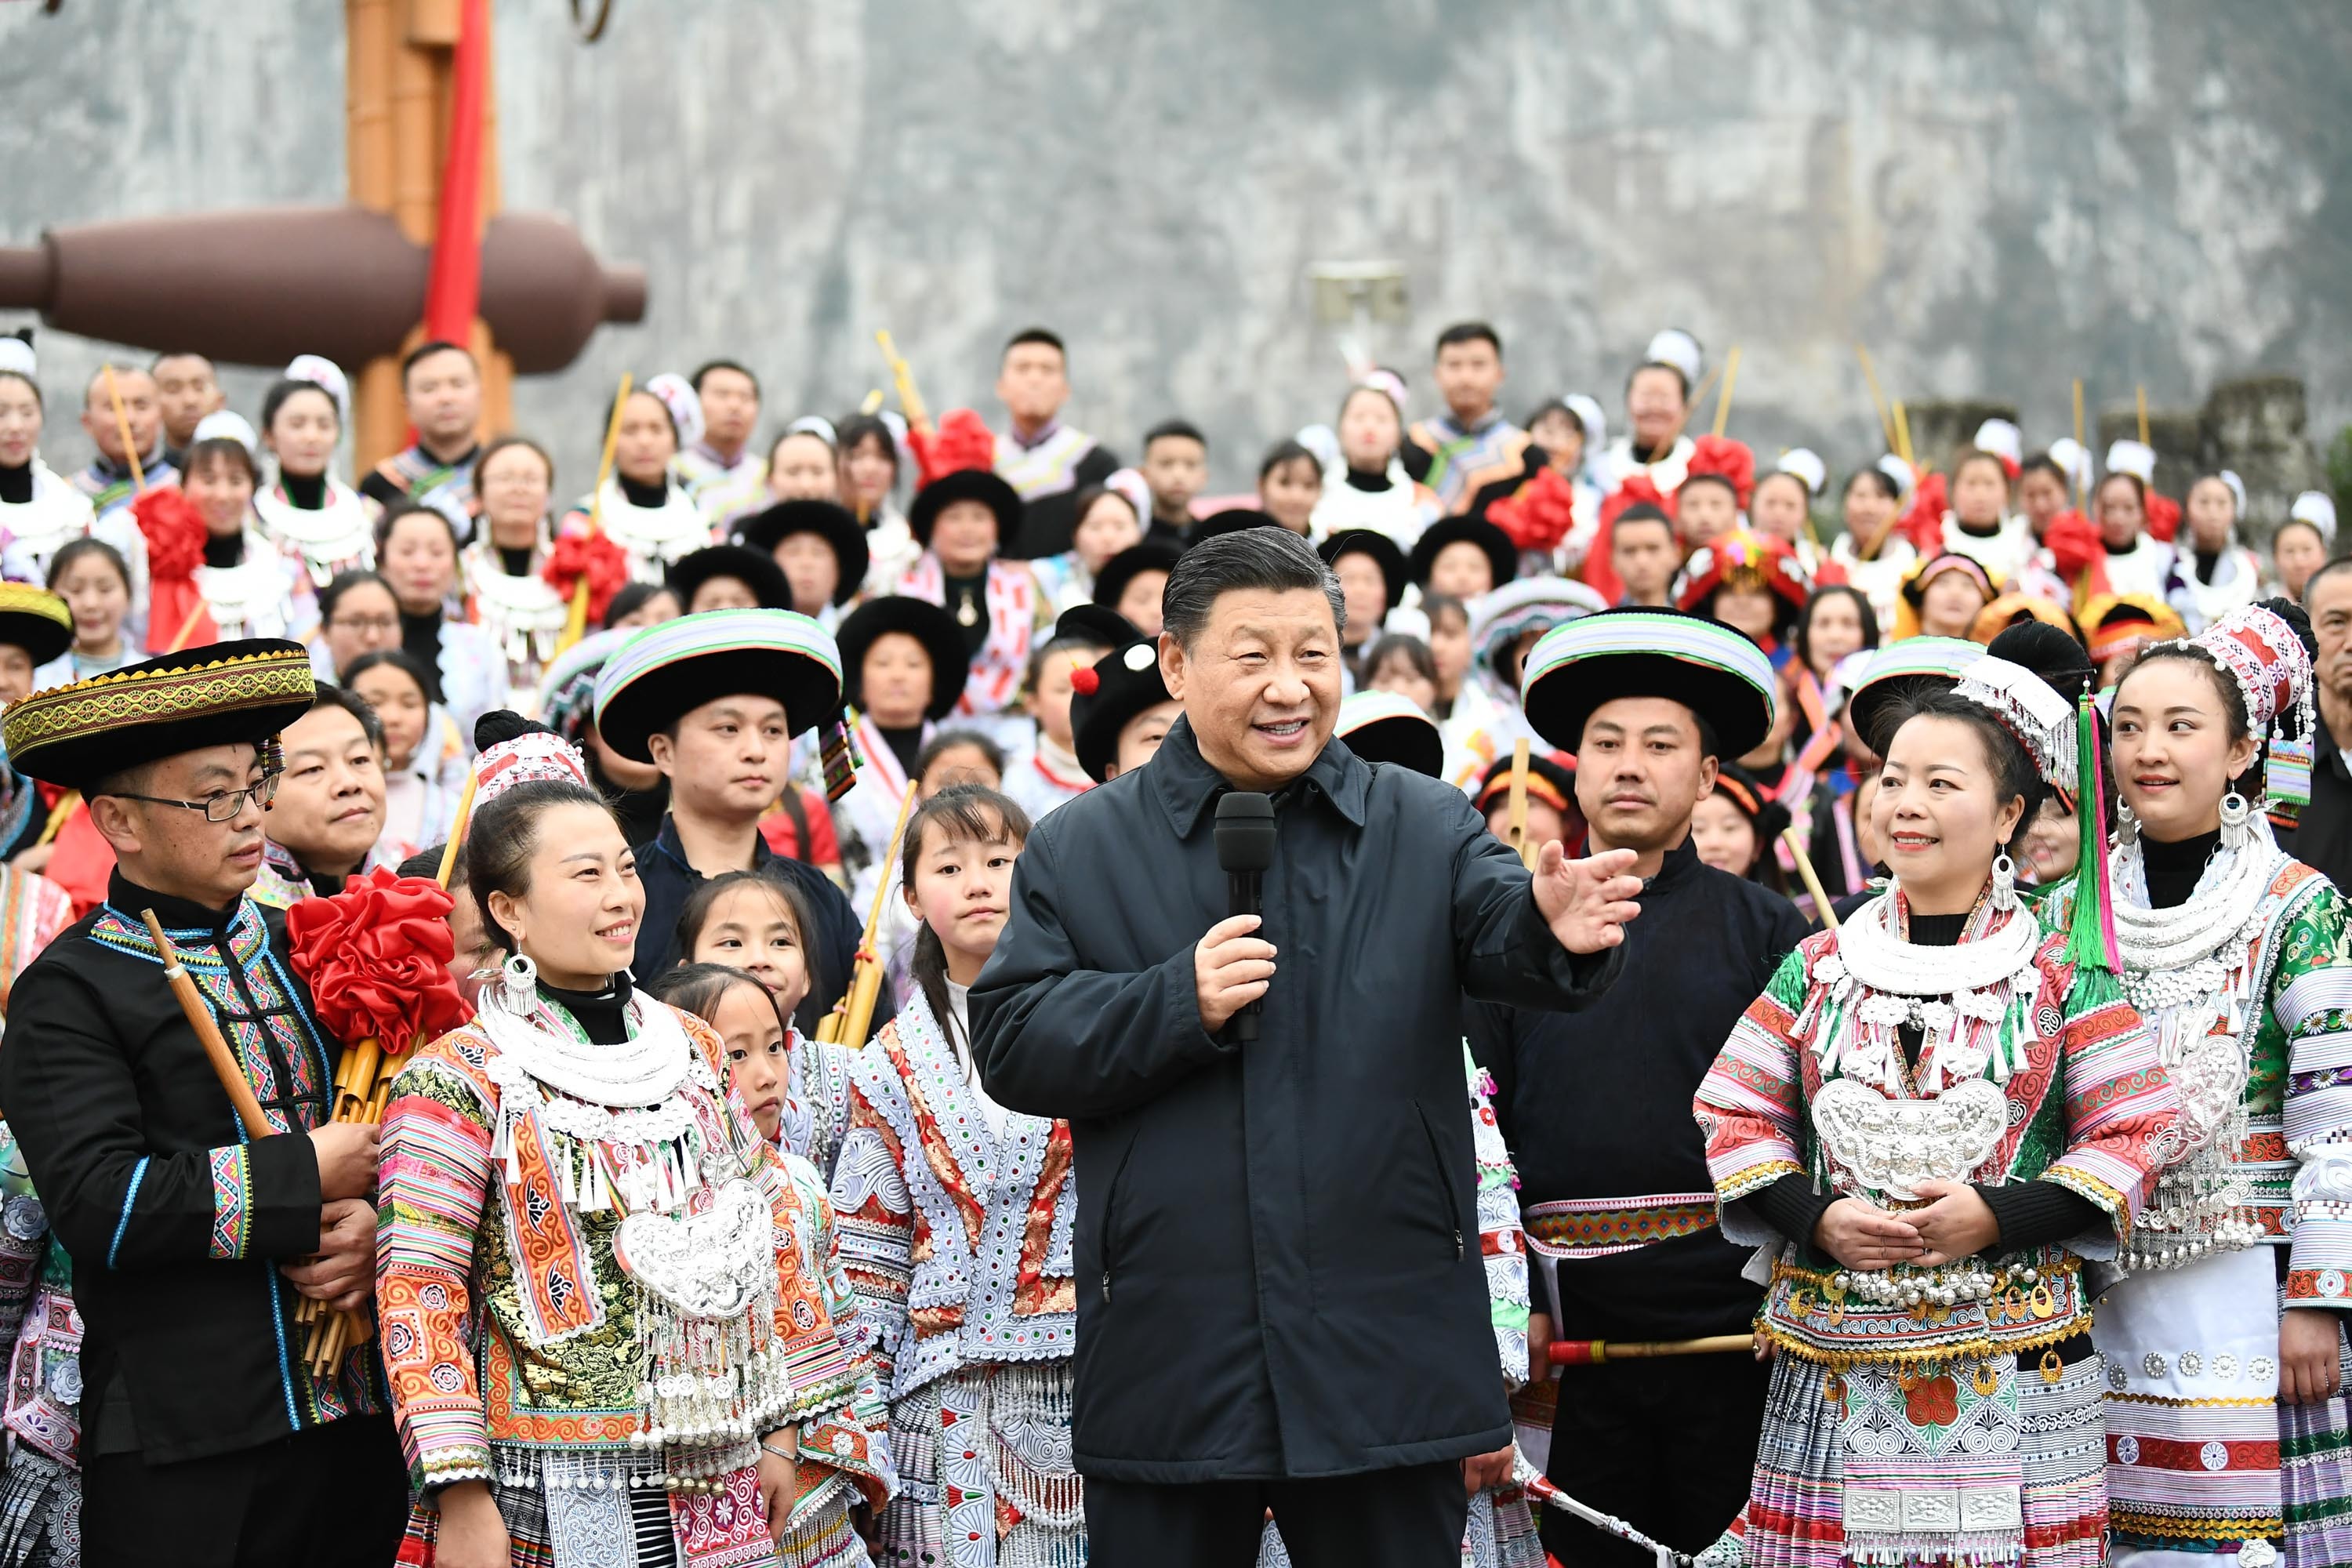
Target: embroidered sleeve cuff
(446, 1467)
(232, 1175)
(2330, 1286)
(282, 1198)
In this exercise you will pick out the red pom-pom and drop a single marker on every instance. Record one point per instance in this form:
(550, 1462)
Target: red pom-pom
(1540, 514)
(1923, 525)
(1084, 681)
(962, 440)
(1728, 459)
(2163, 517)
(174, 532)
(377, 957)
(2075, 545)
(605, 564)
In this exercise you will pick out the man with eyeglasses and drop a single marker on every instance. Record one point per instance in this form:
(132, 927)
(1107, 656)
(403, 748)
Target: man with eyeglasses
(201, 1434)
(328, 815)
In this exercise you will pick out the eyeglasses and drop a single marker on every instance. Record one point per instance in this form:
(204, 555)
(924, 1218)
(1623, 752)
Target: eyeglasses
(366, 623)
(226, 806)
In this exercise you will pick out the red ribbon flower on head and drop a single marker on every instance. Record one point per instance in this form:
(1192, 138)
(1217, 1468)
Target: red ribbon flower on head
(174, 531)
(964, 440)
(1923, 525)
(1727, 459)
(605, 563)
(377, 957)
(1540, 514)
(2163, 517)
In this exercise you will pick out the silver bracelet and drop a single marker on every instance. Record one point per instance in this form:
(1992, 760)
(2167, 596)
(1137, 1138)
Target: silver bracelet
(767, 1446)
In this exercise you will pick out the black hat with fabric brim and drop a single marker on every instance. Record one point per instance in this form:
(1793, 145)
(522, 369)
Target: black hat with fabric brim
(1551, 774)
(1233, 520)
(231, 693)
(836, 525)
(1125, 682)
(755, 569)
(1898, 672)
(966, 484)
(1152, 555)
(1383, 727)
(1380, 547)
(928, 625)
(1707, 666)
(668, 670)
(1502, 556)
(1097, 624)
(35, 620)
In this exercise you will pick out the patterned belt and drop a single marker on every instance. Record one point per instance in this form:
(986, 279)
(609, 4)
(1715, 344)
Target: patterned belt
(1574, 1229)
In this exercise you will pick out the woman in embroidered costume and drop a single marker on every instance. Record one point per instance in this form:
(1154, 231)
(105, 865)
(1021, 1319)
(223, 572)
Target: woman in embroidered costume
(956, 1219)
(1926, 1123)
(252, 585)
(2212, 574)
(2236, 952)
(521, 612)
(40, 509)
(1368, 487)
(310, 511)
(603, 1310)
(645, 511)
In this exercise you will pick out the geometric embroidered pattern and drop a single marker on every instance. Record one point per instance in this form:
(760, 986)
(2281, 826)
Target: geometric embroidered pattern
(232, 1214)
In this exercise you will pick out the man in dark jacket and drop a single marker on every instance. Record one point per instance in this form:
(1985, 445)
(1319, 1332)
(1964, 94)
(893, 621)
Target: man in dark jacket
(1613, 1186)
(1281, 1302)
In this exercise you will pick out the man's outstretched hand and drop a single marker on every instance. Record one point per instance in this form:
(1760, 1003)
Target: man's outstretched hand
(1587, 902)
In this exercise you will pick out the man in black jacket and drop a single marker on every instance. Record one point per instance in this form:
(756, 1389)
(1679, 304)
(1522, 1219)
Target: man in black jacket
(1281, 1302)
(205, 1439)
(1613, 1186)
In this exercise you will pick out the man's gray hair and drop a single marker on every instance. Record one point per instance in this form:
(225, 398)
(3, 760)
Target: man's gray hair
(1270, 559)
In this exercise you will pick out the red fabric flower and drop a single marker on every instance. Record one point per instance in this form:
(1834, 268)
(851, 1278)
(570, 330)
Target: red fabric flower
(1726, 458)
(377, 957)
(177, 616)
(2075, 545)
(2163, 517)
(1932, 1400)
(1923, 525)
(605, 563)
(1540, 514)
(964, 440)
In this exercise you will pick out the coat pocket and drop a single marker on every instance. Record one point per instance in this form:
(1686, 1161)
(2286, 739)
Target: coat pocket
(1452, 1216)
(1111, 1213)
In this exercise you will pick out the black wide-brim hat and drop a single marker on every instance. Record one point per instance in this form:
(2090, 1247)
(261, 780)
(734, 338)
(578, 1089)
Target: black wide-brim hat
(1233, 520)
(667, 671)
(1383, 727)
(1152, 555)
(1502, 556)
(35, 620)
(836, 525)
(1709, 669)
(929, 624)
(966, 484)
(231, 693)
(1380, 547)
(755, 569)
(1126, 681)
(1098, 623)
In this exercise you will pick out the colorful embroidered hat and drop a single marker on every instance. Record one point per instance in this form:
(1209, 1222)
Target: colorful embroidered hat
(1704, 664)
(2042, 721)
(1502, 556)
(1746, 559)
(2117, 624)
(35, 620)
(1550, 779)
(2010, 609)
(836, 525)
(755, 569)
(1899, 670)
(1385, 727)
(220, 694)
(1746, 795)
(665, 672)
(958, 462)
(1379, 548)
(514, 751)
(2270, 659)
(567, 692)
(929, 624)
(1526, 604)
(1110, 693)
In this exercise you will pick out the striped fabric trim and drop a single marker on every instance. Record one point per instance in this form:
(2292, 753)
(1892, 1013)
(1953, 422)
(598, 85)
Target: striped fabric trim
(232, 1171)
(130, 1198)
(1947, 657)
(1364, 707)
(715, 631)
(2320, 990)
(1649, 632)
(1579, 1228)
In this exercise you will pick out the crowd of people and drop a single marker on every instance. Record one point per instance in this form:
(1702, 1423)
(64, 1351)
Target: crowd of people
(1952, 1128)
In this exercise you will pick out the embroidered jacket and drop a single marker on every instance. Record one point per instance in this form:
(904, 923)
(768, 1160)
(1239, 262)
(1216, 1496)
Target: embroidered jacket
(179, 1218)
(957, 1239)
(2064, 1087)
(38, 1321)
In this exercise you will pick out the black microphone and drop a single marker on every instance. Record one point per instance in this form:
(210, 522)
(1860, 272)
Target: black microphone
(1244, 849)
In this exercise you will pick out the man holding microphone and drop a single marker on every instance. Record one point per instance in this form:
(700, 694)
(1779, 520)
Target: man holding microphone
(1280, 1300)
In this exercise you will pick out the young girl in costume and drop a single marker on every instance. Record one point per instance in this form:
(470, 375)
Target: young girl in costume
(1925, 1124)
(253, 584)
(601, 1295)
(308, 509)
(643, 508)
(520, 611)
(955, 1220)
(2225, 1341)
(94, 580)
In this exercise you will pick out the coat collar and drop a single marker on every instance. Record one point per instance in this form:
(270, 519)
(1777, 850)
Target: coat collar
(1188, 786)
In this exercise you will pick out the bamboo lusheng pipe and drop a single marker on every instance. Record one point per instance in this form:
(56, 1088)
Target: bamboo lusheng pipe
(199, 1014)
(1790, 837)
(1599, 1352)
(122, 423)
(2082, 494)
(1723, 402)
(1515, 832)
(854, 1014)
(910, 402)
(575, 621)
(1877, 398)
(2139, 397)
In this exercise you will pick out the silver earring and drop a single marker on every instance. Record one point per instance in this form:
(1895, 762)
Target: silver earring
(2126, 826)
(2004, 882)
(518, 985)
(2236, 814)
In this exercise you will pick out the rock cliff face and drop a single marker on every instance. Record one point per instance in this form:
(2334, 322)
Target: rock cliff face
(1996, 196)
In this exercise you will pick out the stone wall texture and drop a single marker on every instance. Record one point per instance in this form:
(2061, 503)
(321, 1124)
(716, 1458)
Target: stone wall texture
(1995, 195)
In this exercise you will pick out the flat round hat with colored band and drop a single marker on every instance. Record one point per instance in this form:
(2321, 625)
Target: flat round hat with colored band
(35, 620)
(1704, 664)
(1385, 727)
(667, 671)
(1106, 695)
(227, 693)
(1902, 669)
